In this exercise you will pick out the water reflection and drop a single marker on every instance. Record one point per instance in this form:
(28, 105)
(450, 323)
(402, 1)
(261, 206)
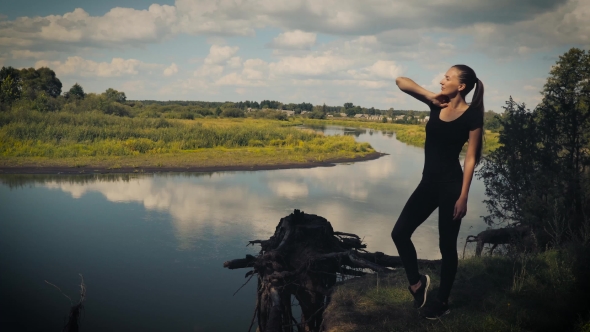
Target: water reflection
(363, 198)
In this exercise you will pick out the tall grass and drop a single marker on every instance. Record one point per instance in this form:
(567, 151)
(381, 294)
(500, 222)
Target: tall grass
(66, 134)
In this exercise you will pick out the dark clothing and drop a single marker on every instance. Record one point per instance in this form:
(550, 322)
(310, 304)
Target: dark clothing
(444, 141)
(441, 184)
(425, 199)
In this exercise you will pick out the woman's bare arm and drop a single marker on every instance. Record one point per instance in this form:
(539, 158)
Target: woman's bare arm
(413, 89)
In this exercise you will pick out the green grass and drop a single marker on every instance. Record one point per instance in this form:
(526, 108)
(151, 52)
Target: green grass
(489, 294)
(96, 139)
(410, 134)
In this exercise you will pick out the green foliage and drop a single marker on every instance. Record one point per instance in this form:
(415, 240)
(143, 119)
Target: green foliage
(9, 90)
(27, 133)
(268, 114)
(538, 176)
(76, 92)
(35, 81)
(232, 113)
(316, 114)
(10, 85)
(114, 95)
(491, 121)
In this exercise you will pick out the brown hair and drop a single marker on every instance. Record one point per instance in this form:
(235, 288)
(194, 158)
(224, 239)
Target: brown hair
(467, 76)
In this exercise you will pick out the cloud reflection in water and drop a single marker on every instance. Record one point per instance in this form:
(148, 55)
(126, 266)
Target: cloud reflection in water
(363, 198)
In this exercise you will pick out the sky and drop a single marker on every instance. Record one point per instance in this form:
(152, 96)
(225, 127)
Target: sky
(293, 51)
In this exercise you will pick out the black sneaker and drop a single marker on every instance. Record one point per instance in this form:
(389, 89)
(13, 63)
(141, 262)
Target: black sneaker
(435, 310)
(420, 294)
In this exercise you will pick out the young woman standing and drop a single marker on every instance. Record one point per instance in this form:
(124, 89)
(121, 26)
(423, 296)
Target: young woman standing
(444, 185)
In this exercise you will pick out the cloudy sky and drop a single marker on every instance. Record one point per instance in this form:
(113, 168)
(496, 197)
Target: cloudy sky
(318, 51)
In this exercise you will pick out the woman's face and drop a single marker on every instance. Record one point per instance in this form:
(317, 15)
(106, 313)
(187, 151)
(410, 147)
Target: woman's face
(449, 84)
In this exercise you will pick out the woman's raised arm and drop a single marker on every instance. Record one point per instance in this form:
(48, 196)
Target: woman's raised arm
(413, 89)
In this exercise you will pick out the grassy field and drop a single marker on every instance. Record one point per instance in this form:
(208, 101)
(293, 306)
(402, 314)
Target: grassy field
(94, 139)
(410, 134)
(542, 292)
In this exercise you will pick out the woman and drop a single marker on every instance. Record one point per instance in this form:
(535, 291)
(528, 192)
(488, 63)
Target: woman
(444, 185)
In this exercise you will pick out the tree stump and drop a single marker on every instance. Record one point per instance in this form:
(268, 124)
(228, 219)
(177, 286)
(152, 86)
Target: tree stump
(302, 259)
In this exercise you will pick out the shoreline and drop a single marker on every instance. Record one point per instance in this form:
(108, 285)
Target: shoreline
(71, 170)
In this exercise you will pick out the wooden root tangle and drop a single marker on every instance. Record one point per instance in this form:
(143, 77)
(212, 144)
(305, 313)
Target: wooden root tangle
(303, 260)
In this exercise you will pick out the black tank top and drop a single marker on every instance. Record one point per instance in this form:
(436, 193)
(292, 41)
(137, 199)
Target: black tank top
(444, 141)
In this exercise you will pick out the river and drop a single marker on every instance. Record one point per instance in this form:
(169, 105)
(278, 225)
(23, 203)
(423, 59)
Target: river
(151, 247)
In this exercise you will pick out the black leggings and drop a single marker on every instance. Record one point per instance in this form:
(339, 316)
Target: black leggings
(423, 201)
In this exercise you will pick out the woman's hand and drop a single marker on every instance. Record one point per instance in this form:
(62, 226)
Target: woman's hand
(440, 100)
(460, 208)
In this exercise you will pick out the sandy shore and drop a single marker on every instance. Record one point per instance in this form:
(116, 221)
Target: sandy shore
(197, 169)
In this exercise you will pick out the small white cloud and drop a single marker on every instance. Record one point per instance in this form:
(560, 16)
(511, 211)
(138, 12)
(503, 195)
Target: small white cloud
(297, 39)
(220, 54)
(209, 71)
(173, 69)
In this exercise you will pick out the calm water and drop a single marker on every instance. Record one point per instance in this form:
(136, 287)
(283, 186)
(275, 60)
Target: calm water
(151, 247)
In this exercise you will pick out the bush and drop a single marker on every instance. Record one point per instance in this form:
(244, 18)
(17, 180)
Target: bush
(232, 113)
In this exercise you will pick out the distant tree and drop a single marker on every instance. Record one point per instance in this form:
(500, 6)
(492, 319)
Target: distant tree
(10, 85)
(317, 114)
(35, 81)
(114, 95)
(233, 113)
(76, 92)
(350, 112)
(492, 121)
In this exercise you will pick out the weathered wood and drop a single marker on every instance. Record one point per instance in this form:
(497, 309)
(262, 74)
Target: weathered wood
(303, 259)
(495, 237)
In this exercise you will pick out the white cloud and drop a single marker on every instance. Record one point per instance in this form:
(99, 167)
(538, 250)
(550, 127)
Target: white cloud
(220, 54)
(297, 39)
(234, 62)
(169, 71)
(209, 71)
(311, 65)
(381, 69)
(26, 54)
(289, 189)
(77, 66)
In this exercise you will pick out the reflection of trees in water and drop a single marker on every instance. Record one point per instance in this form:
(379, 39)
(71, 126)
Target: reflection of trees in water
(356, 132)
(23, 180)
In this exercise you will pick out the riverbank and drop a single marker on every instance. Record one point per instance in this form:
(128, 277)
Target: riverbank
(237, 160)
(33, 141)
(410, 134)
(544, 292)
